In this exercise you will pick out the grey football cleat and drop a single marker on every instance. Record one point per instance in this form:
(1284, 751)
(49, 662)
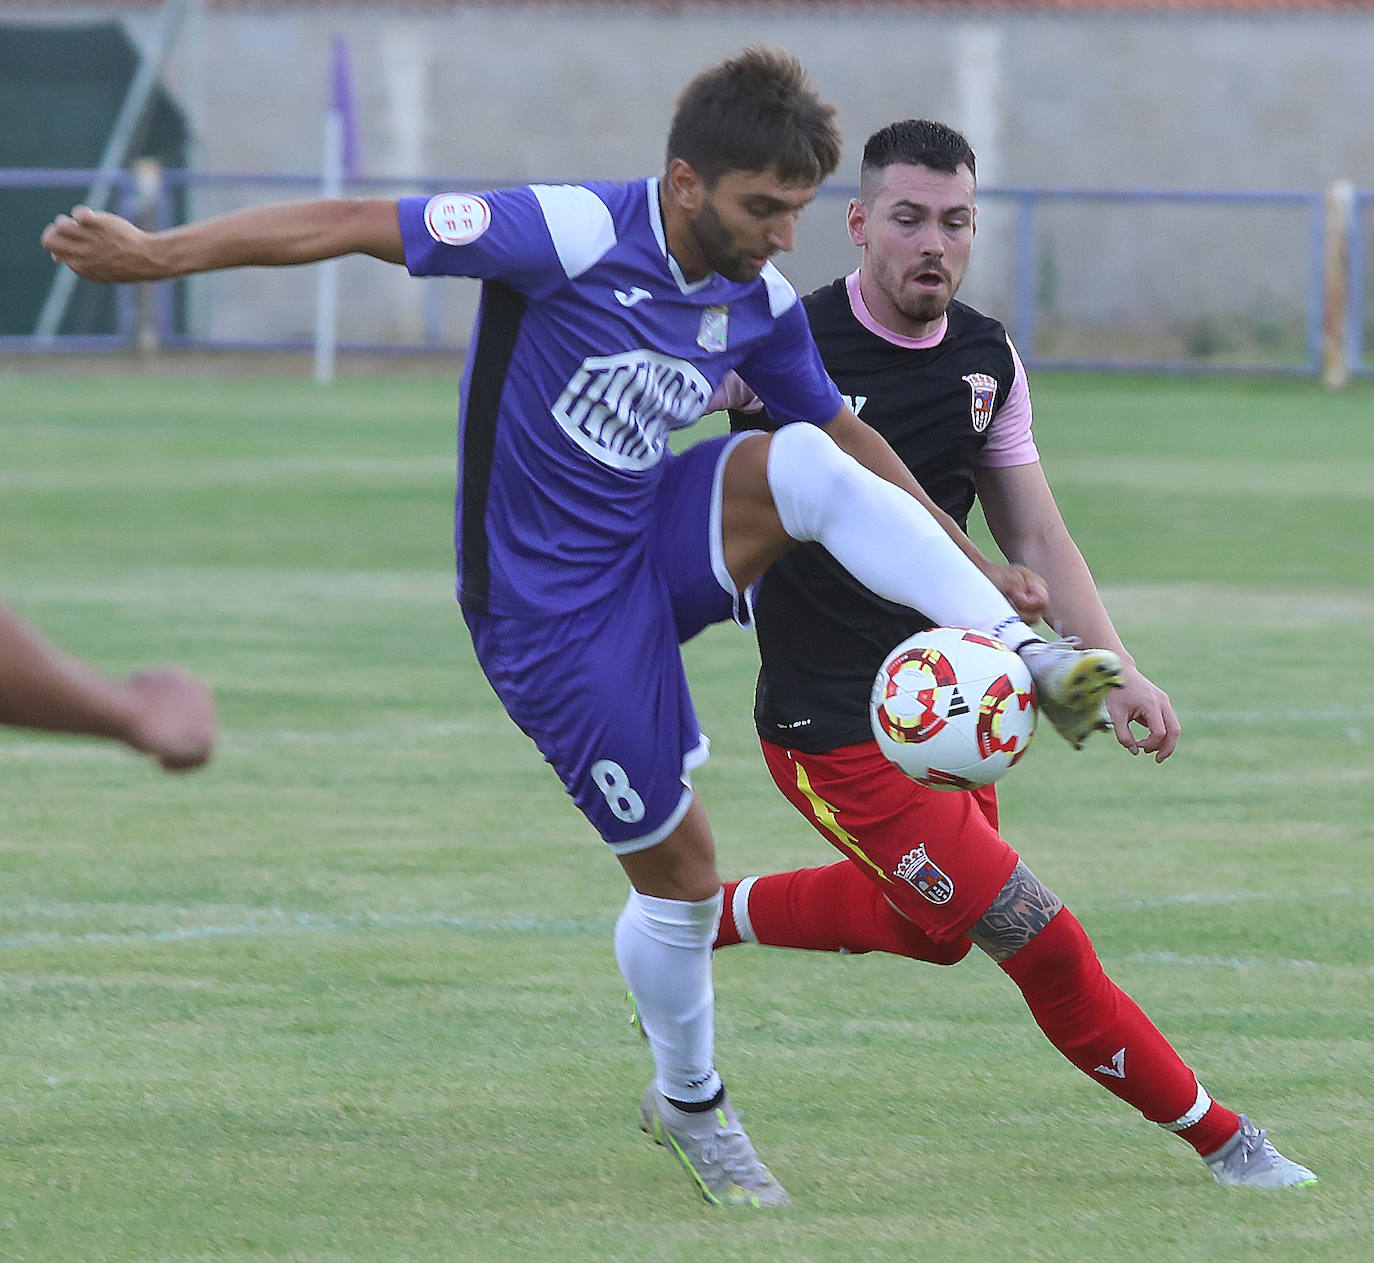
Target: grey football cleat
(713, 1147)
(1249, 1160)
(1071, 686)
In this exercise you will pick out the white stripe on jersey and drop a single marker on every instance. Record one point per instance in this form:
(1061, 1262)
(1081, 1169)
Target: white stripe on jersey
(579, 223)
(781, 295)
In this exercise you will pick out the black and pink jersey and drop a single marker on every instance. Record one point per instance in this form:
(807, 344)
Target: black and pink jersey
(948, 404)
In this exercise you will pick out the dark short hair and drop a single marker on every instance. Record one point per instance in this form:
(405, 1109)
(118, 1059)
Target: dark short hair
(920, 142)
(757, 111)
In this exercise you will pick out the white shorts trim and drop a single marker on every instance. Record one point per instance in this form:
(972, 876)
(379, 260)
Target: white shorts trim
(743, 612)
(694, 758)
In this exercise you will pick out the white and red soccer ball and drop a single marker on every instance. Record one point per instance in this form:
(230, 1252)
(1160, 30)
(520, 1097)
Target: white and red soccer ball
(953, 708)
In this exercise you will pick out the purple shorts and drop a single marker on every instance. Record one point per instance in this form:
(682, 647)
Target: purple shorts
(601, 691)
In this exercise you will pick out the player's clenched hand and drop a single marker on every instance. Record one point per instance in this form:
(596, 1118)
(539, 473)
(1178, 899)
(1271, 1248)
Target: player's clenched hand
(100, 246)
(176, 720)
(1142, 703)
(1024, 589)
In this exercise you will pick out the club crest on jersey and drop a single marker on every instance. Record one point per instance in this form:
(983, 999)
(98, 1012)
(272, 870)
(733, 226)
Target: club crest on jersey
(984, 390)
(926, 877)
(714, 327)
(620, 408)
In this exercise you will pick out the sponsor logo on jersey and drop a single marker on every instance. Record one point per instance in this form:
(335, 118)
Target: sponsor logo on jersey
(856, 403)
(636, 295)
(928, 879)
(714, 328)
(984, 390)
(620, 408)
(457, 219)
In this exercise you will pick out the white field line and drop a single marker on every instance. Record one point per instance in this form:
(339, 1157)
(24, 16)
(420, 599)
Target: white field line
(21, 749)
(204, 474)
(1242, 964)
(1239, 476)
(1291, 715)
(257, 592)
(278, 922)
(281, 923)
(1209, 899)
(1238, 606)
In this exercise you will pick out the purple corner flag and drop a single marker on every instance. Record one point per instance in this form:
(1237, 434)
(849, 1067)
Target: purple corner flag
(342, 101)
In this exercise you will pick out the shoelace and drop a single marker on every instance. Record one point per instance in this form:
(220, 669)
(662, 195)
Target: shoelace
(730, 1147)
(1254, 1143)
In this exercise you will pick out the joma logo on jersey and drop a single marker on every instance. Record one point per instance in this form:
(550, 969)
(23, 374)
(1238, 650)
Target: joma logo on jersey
(620, 408)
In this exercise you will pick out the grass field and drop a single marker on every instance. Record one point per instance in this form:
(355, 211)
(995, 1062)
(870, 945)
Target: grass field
(348, 995)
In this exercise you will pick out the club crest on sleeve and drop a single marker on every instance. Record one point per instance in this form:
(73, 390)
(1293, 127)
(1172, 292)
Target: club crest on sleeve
(457, 219)
(926, 877)
(984, 390)
(714, 327)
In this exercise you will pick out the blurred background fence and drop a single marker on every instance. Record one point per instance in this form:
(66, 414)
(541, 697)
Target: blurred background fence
(1096, 279)
(1183, 185)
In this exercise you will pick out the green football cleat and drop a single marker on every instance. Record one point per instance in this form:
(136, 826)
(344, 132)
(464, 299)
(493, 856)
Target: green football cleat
(714, 1150)
(1071, 686)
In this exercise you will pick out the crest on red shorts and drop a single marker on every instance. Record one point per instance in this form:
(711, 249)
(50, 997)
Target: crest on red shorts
(926, 877)
(984, 390)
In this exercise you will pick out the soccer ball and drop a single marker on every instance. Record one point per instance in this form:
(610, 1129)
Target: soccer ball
(953, 708)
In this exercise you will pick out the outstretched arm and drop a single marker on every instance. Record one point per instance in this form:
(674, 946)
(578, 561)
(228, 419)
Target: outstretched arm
(1026, 523)
(104, 247)
(163, 712)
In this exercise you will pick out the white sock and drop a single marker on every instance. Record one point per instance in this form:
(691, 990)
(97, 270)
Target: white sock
(663, 947)
(884, 537)
(739, 909)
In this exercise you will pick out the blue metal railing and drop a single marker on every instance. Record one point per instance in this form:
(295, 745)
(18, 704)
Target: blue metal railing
(122, 199)
(1029, 203)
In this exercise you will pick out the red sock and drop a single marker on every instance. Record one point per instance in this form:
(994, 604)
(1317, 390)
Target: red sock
(1103, 1032)
(830, 909)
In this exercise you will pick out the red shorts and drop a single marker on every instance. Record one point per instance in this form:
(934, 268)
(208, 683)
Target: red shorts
(936, 854)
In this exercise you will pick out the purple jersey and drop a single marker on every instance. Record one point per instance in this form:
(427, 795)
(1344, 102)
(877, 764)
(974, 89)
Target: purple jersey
(590, 347)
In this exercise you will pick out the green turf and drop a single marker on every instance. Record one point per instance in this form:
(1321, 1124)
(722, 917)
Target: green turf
(349, 993)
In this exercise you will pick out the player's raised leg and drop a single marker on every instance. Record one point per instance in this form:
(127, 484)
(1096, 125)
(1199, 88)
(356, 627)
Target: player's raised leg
(797, 485)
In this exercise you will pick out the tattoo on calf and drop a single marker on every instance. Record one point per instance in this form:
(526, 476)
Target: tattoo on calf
(1021, 910)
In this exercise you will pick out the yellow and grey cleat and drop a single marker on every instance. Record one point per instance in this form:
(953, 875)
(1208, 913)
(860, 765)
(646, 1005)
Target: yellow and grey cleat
(714, 1150)
(1071, 686)
(1248, 1160)
(636, 1024)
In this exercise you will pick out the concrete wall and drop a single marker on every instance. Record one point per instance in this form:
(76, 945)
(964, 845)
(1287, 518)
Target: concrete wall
(486, 94)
